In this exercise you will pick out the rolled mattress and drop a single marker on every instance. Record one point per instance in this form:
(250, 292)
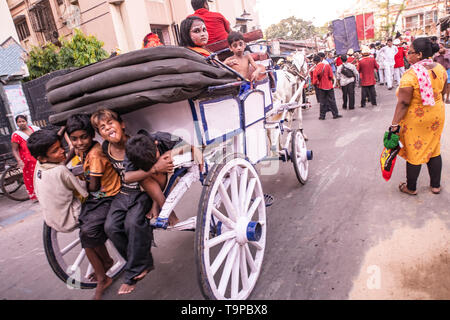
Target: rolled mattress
(135, 80)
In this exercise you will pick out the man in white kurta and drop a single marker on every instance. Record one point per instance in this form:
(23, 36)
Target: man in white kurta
(389, 52)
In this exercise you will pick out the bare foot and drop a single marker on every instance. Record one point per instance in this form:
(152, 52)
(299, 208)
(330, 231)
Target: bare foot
(107, 265)
(153, 213)
(101, 287)
(173, 219)
(436, 190)
(143, 274)
(126, 288)
(92, 277)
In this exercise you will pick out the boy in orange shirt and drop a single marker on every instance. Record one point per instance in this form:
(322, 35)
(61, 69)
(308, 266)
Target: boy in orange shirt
(103, 183)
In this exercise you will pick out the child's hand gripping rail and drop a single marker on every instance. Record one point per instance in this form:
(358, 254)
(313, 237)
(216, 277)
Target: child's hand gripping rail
(162, 222)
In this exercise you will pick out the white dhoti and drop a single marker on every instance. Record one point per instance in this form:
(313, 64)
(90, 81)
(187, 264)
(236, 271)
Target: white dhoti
(398, 73)
(389, 74)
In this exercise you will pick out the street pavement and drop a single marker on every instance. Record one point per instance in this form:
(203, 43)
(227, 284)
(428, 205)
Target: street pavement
(346, 234)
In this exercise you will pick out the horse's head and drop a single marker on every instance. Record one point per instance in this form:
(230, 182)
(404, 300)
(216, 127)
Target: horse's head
(299, 62)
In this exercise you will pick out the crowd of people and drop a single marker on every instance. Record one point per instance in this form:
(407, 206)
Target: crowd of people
(377, 63)
(421, 73)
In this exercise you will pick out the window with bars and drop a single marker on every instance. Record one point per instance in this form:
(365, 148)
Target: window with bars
(42, 20)
(430, 17)
(22, 29)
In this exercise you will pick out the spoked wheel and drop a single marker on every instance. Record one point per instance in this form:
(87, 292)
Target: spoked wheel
(12, 184)
(231, 231)
(69, 261)
(299, 156)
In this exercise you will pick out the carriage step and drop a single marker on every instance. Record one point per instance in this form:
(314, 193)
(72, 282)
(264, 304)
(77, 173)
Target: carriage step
(186, 225)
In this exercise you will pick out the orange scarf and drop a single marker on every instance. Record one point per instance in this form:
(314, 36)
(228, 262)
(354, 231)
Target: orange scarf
(201, 50)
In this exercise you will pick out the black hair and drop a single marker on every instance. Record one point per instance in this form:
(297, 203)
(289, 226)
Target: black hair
(434, 38)
(141, 151)
(80, 122)
(344, 58)
(198, 4)
(317, 58)
(426, 47)
(389, 40)
(372, 45)
(185, 31)
(40, 141)
(234, 36)
(21, 116)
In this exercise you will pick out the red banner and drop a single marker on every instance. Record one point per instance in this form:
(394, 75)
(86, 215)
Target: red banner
(366, 26)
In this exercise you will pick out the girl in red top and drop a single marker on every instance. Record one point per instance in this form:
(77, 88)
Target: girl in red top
(194, 36)
(23, 156)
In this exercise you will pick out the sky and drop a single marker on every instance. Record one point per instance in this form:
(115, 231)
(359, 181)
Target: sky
(317, 11)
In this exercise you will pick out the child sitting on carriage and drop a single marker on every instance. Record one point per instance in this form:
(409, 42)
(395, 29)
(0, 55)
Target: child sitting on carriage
(126, 222)
(143, 151)
(103, 183)
(61, 195)
(243, 63)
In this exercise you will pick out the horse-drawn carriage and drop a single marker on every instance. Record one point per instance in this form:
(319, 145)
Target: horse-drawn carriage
(228, 130)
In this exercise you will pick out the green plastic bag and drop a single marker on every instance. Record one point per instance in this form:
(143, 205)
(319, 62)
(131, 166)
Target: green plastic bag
(391, 140)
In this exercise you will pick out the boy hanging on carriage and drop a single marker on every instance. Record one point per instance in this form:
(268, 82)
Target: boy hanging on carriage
(103, 183)
(61, 195)
(126, 224)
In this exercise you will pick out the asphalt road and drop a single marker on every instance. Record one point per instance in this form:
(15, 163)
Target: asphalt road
(346, 234)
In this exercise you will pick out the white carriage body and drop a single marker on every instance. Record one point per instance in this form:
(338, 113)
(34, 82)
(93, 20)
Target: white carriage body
(237, 122)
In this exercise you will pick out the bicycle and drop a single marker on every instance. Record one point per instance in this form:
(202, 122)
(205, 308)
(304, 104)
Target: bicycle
(11, 179)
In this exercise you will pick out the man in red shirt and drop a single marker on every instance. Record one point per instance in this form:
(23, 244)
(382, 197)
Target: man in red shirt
(366, 68)
(217, 26)
(323, 81)
(399, 67)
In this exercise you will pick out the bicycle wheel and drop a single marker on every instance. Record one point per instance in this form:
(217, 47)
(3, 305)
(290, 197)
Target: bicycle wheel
(68, 259)
(300, 156)
(12, 184)
(231, 231)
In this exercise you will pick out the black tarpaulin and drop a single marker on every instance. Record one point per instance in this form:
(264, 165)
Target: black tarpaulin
(135, 80)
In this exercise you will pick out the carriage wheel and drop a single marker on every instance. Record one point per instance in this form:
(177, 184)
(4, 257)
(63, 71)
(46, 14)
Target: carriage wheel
(299, 156)
(231, 231)
(69, 262)
(12, 184)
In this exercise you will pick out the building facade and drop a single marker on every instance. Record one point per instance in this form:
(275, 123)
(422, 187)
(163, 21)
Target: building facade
(418, 17)
(120, 24)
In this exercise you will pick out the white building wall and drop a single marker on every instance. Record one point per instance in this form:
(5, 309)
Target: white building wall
(7, 28)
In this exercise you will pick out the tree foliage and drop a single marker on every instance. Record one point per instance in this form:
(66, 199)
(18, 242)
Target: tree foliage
(79, 51)
(42, 61)
(291, 29)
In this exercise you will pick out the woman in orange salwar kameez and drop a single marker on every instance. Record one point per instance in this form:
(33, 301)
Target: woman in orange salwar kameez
(420, 113)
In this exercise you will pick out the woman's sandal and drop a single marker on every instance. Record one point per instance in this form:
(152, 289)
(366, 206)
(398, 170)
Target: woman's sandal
(403, 188)
(435, 190)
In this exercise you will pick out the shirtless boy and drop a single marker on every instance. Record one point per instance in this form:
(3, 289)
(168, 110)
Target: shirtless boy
(241, 62)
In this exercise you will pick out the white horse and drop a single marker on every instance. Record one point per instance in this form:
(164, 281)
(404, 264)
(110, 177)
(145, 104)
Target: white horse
(291, 79)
